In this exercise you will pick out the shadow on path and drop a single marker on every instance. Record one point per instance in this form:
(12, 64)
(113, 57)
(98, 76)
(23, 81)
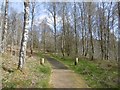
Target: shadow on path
(56, 64)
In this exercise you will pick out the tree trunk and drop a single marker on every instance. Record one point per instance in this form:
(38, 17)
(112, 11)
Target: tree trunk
(119, 30)
(31, 42)
(13, 35)
(63, 32)
(5, 27)
(44, 44)
(62, 47)
(1, 31)
(76, 44)
(83, 25)
(101, 43)
(119, 14)
(102, 32)
(90, 32)
(54, 10)
(22, 53)
(86, 35)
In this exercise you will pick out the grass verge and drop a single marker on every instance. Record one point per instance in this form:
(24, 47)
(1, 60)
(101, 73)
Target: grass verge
(97, 75)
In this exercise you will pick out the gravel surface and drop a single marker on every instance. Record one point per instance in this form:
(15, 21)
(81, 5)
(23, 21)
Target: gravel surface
(62, 77)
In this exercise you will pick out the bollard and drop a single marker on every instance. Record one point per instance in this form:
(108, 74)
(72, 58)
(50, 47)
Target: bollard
(42, 61)
(76, 61)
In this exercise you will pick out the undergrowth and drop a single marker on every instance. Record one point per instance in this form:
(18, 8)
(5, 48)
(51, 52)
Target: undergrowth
(34, 75)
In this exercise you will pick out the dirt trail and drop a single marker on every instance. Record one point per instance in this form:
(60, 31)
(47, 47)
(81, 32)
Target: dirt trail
(62, 77)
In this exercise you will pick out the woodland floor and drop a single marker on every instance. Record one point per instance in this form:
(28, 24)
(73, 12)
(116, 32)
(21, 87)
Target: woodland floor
(62, 77)
(34, 75)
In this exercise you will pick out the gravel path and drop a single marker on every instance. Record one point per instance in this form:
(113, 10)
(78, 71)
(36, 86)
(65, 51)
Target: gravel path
(62, 77)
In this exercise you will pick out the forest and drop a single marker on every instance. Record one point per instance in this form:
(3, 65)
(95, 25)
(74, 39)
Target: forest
(41, 41)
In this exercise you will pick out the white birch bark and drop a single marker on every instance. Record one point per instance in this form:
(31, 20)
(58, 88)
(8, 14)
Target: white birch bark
(22, 53)
(5, 27)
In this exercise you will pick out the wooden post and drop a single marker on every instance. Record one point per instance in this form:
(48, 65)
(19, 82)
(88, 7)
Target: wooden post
(76, 61)
(42, 61)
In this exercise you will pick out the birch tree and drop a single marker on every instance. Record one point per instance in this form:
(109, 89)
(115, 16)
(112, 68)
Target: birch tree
(63, 30)
(53, 11)
(5, 27)
(101, 20)
(114, 13)
(22, 52)
(33, 5)
(119, 28)
(75, 28)
(119, 15)
(1, 24)
(85, 27)
(54, 16)
(43, 26)
(90, 30)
